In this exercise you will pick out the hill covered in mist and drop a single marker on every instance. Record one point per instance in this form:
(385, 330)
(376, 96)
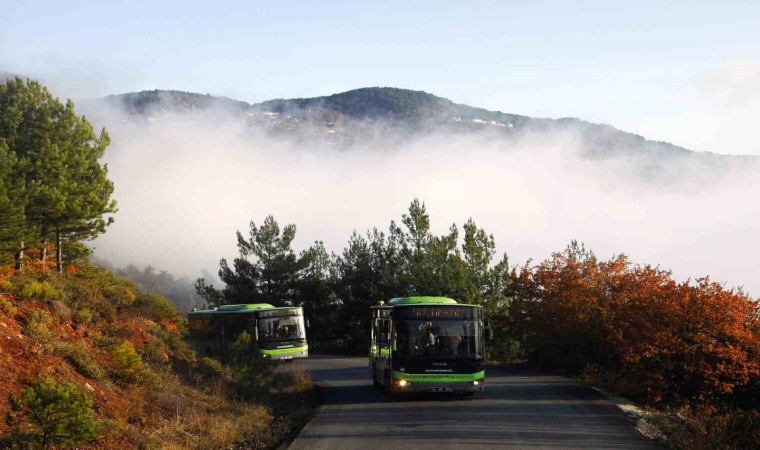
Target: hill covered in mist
(385, 117)
(203, 167)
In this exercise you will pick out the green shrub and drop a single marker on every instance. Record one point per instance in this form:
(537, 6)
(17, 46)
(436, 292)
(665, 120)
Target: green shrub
(48, 292)
(77, 293)
(60, 413)
(80, 355)
(7, 307)
(179, 346)
(153, 352)
(82, 316)
(164, 309)
(39, 291)
(157, 307)
(210, 367)
(38, 327)
(105, 310)
(126, 361)
(254, 379)
(106, 341)
(19, 440)
(253, 373)
(120, 295)
(31, 290)
(6, 285)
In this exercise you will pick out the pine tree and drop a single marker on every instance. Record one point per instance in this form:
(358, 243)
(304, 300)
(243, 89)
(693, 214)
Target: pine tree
(58, 188)
(316, 292)
(62, 413)
(277, 263)
(12, 222)
(267, 269)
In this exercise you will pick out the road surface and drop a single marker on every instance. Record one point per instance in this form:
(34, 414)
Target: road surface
(520, 408)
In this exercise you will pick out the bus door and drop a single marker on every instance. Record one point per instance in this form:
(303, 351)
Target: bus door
(374, 349)
(384, 351)
(253, 332)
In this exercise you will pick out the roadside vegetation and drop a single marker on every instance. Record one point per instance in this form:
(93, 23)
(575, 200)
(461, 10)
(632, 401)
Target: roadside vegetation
(87, 359)
(688, 351)
(94, 363)
(90, 359)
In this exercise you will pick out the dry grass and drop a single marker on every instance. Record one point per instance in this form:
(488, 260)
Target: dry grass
(222, 426)
(691, 428)
(300, 381)
(194, 420)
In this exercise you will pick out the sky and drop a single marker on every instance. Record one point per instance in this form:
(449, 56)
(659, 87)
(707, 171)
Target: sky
(686, 72)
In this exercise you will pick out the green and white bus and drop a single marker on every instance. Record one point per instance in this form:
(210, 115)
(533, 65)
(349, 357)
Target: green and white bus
(427, 344)
(277, 333)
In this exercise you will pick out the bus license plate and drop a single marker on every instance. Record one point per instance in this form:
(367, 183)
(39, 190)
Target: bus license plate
(439, 389)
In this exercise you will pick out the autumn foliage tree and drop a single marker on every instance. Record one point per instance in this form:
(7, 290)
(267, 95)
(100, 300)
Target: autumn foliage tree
(649, 336)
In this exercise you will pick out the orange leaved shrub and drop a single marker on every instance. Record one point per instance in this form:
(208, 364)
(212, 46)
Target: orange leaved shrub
(650, 337)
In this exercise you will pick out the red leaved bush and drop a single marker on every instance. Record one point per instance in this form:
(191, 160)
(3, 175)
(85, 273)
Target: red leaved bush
(652, 338)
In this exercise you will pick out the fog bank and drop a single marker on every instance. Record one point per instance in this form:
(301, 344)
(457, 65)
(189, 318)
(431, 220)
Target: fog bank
(186, 183)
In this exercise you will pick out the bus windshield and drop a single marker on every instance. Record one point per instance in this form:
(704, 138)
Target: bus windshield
(284, 328)
(438, 339)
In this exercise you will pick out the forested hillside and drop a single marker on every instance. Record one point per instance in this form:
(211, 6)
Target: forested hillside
(86, 359)
(351, 118)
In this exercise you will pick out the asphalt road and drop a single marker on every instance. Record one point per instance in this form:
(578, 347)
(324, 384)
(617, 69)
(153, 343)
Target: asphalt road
(520, 408)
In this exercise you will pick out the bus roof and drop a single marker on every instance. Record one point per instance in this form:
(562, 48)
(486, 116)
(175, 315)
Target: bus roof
(250, 308)
(244, 306)
(415, 300)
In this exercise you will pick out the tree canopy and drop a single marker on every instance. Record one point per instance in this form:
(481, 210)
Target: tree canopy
(337, 290)
(52, 185)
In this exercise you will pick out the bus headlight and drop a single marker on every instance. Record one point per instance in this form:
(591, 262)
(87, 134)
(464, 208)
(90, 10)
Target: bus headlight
(403, 383)
(476, 383)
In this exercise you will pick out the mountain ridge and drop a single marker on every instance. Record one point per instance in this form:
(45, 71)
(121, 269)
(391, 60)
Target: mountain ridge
(411, 112)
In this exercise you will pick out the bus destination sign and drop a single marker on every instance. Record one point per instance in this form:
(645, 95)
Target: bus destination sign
(438, 312)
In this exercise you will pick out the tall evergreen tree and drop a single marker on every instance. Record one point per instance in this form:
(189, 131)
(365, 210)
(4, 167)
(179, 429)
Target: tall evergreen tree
(60, 188)
(267, 269)
(12, 224)
(486, 281)
(277, 263)
(316, 294)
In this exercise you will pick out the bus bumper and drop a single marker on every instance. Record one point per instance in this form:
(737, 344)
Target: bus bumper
(285, 354)
(402, 386)
(287, 357)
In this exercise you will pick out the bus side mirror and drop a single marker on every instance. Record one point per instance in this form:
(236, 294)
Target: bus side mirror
(489, 332)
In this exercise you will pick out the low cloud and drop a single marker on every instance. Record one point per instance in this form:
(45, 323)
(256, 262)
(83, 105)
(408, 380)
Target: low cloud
(186, 183)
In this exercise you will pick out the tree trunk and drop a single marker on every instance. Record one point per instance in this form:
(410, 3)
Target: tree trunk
(43, 250)
(58, 251)
(20, 257)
